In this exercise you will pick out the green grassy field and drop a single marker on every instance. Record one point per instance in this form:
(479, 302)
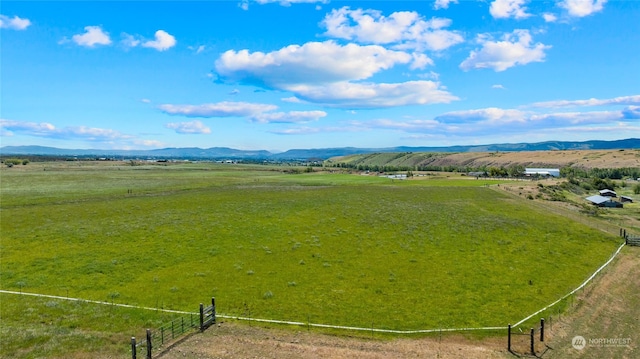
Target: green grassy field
(327, 248)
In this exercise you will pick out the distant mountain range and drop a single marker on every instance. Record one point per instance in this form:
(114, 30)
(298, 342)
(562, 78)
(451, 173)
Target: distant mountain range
(218, 153)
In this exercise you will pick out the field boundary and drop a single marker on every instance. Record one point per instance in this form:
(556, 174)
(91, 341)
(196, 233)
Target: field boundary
(273, 321)
(329, 326)
(94, 302)
(615, 254)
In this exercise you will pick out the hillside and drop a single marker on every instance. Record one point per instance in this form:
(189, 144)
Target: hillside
(313, 154)
(585, 159)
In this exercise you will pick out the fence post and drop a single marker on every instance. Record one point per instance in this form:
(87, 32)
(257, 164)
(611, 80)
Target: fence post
(542, 329)
(213, 309)
(149, 345)
(533, 348)
(133, 347)
(201, 317)
(509, 338)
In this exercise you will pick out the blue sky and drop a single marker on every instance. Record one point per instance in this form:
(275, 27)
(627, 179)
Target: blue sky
(279, 75)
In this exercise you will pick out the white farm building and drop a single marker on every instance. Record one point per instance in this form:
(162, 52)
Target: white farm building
(553, 172)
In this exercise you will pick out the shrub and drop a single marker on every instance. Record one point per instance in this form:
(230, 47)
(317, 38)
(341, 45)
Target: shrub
(586, 186)
(10, 162)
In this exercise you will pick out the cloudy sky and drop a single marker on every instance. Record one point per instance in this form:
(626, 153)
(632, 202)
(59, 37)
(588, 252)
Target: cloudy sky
(279, 75)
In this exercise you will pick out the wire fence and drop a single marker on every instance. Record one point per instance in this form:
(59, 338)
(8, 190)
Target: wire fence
(520, 340)
(170, 332)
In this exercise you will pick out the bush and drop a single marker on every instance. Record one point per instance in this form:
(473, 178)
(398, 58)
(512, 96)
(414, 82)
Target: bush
(10, 162)
(636, 189)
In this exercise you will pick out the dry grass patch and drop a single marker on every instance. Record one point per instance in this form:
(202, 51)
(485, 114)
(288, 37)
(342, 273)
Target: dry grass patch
(233, 340)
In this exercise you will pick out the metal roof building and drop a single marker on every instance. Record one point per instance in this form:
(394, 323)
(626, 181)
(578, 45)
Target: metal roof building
(602, 201)
(554, 172)
(608, 193)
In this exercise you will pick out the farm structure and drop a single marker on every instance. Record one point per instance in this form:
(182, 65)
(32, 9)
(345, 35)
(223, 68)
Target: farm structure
(626, 199)
(602, 201)
(608, 193)
(543, 172)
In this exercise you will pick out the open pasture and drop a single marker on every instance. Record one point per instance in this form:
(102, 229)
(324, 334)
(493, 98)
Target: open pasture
(327, 248)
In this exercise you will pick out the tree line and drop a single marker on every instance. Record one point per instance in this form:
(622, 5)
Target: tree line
(497, 171)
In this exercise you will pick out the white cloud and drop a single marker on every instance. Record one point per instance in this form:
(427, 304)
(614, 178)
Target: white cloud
(578, 118)
(244, 4)
(420, 61)
(8, 127)
(403, 30)
(148, 143)
(502, 9)
(549, 17)
(289, 2)
(430, 76)
(499, 87)
(302, 131)
(291, 99)
(313, 62)
(407, 126)
(515, 48)
(369, 95)
(582, 8)
(622, 100)
(15, 23)
(189, 128)
(220, 109)
(94, 35)
(197, 49)
(163, 41)
(443, 4)
(130, 40)
(631, 113)
(289, 117)
(492, 116)
(93, 133)
(324, 72)
(488, 121)
(44, 129)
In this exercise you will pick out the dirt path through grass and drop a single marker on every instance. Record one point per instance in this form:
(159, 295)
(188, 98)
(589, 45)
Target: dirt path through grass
(233, 340)
(605, 315)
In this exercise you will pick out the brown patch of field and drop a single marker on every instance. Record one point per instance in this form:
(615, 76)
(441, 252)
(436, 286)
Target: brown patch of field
(608, 308)
(556, 159)
(234, 340)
